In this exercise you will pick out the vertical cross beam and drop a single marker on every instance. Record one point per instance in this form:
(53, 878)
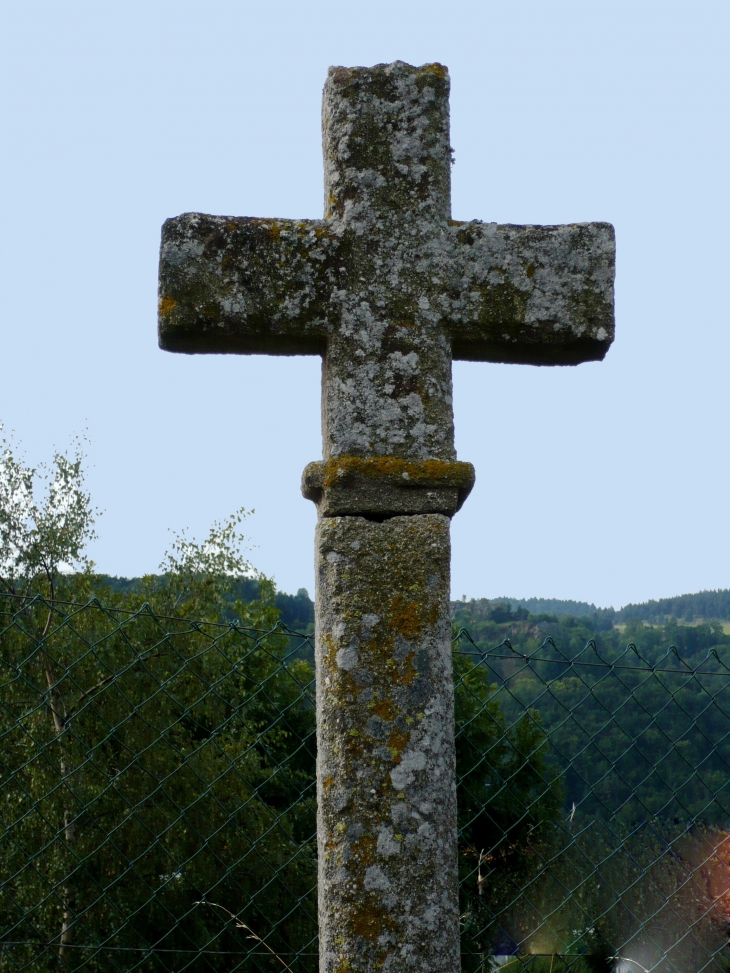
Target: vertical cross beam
(388, 883)
(387, 289)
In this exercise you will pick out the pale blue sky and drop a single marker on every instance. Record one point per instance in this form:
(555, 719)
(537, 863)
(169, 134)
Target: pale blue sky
(607, 483)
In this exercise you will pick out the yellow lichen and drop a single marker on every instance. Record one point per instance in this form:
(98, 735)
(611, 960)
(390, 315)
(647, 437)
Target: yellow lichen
(167, 305)
(407, 617)
(430, 472)
(440, 70)
(397, 743)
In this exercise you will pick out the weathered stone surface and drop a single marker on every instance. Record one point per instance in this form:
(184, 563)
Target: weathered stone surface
(388, 893)
(387, 287)
(386, 486)
(239, 285)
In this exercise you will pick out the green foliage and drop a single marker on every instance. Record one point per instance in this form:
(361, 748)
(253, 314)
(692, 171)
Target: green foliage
(701, 606)
(153, 766)
(508, 797)
(183, 769)
(42, 535)
(199, 579)
(295, 611)
(172, 763)
(632, 741)
(147, 763)
(635, 862)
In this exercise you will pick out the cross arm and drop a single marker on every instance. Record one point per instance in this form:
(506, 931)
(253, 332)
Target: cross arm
(245, 286)
(539, 295)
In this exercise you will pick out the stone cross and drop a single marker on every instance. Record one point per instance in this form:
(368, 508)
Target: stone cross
(388, 289)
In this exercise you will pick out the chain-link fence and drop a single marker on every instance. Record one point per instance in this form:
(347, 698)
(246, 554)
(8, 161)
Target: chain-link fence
(157, 803)
(594, 809)
(151, 765)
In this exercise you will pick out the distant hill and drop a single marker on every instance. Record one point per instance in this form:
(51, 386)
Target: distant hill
(702, 606)
(552, 606)
(297, 611)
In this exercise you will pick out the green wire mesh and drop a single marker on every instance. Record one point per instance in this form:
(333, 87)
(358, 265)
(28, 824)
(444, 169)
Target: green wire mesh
(594, 811)
(157, 800)
(147, 766)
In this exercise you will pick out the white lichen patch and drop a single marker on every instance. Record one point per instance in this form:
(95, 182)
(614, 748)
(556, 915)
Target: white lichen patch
(375, 878)
(404, 774)
(388, 844)
(347, 658)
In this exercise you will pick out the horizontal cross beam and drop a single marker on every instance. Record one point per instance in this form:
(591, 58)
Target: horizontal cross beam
(539, 295)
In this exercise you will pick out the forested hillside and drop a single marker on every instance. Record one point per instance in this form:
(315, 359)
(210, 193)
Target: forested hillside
(295, 611)
(481, 615)
(704, 606)
(488, 623)
(624, 679)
